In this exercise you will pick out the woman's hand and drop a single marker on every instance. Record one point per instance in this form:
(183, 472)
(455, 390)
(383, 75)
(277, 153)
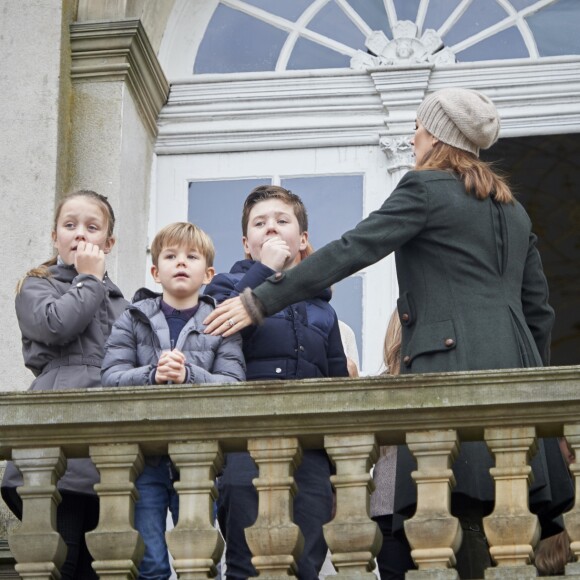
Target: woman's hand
(228, 318)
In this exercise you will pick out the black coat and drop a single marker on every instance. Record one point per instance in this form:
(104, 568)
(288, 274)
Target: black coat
(302, 341)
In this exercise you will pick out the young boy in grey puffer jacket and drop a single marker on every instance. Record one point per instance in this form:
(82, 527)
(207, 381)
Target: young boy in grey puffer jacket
(160, 340)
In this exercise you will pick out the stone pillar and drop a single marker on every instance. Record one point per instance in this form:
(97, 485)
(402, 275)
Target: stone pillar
(195, 544)
(434, 534)
(117, 548)
(353, 538)
(274, 540)
(572, 518)
(35, 97)
(511, 530)
(36, 545)
(118, 89)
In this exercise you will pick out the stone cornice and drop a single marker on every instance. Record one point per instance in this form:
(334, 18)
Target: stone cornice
(120, 51)
(388, 406)
(269, 111)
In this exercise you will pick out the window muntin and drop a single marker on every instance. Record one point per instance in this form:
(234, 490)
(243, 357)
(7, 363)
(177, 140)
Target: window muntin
(268, 35)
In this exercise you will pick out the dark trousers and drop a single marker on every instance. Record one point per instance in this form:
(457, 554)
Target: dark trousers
(394, 559)
(238, 509)
(473, 556)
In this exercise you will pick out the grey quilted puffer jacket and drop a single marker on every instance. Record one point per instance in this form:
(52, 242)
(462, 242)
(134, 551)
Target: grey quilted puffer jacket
(142, 333)
(65, 320)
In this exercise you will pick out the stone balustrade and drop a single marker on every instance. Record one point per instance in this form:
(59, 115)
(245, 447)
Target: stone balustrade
(275, 421)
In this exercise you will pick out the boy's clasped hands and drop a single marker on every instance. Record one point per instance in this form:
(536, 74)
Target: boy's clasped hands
(170, 367)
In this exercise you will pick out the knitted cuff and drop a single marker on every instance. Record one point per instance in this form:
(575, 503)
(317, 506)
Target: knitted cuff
(253, 306)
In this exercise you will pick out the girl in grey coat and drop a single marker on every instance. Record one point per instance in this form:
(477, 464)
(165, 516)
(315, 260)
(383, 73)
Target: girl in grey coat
(66, 308)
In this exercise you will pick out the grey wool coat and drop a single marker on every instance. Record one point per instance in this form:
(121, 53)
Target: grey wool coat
(142, 333)
(65, 320)
(473, 294)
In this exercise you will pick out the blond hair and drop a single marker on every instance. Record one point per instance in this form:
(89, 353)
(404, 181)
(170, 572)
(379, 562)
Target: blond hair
(392, 345)
(478, 176)
(183, 234)
(43, 271)
(552, 554)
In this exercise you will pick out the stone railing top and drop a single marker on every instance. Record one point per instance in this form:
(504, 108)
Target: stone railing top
(387, 406)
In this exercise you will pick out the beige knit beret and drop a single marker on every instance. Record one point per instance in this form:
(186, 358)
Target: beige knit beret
(463, 118)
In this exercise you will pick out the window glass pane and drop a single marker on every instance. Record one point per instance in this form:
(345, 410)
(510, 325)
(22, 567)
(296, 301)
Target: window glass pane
(556, 28)
(407, 9)
(480, 15)
(236, 42)
(307, 55)
(216, 207)
(520, 4)
(290, 9)
(437, 13)
(373, 13)
(331, 21)
(506, 44)
(320, 194)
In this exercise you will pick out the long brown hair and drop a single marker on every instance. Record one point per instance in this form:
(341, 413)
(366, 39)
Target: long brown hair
(478, 176)
(392, 345)
(43, 271)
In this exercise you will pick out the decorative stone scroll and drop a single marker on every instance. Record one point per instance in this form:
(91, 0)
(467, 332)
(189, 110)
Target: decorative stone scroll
(572, 518)
(404, 49)
(399, 153)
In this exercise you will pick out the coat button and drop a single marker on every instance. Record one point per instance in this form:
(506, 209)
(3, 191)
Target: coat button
(301, 348)
(79, 284)
(407, 360)
(405, 317)
(449, 342)
(278, 370)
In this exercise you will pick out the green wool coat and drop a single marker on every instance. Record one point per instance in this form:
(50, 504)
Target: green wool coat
(472, 296)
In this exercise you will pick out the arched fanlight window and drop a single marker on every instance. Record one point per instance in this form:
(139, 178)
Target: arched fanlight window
(278, 35)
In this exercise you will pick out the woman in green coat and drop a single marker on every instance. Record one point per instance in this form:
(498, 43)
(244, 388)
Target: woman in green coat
(472, 292)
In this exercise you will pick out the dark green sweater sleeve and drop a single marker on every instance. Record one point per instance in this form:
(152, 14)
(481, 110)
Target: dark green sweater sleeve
(401, 217)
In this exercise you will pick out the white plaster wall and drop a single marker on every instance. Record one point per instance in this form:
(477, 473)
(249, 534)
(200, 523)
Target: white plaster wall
(111, 153)
(29, 178)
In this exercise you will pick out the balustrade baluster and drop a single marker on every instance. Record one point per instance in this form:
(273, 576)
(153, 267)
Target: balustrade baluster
(117, 548)
(572, 518)
(274, 540)
(511, 530)
(353, 538)
(195, 544)
(36, 545)
(434, 534)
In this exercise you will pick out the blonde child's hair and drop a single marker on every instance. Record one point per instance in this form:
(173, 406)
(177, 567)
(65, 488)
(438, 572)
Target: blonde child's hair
(43, 270)
(183, 234)
(392, 345)
(552, 554)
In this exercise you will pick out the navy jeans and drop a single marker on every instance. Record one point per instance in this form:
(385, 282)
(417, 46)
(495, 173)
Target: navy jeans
(156, 496)
(238, 509)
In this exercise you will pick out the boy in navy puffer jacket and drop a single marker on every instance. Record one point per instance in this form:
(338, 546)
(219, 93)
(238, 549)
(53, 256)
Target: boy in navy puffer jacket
(302, 341)
(160, 340)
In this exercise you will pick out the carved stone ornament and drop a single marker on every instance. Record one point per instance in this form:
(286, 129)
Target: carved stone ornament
(399, 153)
(405, 48)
